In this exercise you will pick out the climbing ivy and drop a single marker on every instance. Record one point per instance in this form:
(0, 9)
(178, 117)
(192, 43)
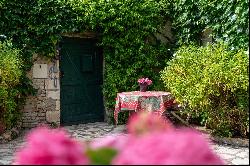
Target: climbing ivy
(124, 27)
(126, 31)
(228, 19)
(187, 22)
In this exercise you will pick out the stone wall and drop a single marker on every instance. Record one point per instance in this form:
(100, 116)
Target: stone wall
(165, 34)
(44, 107)
(206, 36)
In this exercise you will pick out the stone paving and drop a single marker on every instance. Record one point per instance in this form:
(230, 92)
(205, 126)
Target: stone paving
(232, 155)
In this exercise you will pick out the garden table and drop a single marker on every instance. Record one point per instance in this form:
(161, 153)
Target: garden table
(153, 101)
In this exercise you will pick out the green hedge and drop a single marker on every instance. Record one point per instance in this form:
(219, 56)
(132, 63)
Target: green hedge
(10, 73)
(212, 82)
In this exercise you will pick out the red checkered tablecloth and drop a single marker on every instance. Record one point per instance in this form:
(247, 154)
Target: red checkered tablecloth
(155, 101)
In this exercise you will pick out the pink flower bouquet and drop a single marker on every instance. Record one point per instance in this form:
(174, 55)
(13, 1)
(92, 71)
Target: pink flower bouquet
(146, 81)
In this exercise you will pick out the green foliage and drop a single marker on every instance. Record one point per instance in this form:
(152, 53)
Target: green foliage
(10, 73)
(187, 22)
(228, 19)
(211, 81)
(101, 156)
(229, 122)
(124, 28)
(37, 25)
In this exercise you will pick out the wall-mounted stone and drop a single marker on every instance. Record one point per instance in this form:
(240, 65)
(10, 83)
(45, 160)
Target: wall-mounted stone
(40, 71)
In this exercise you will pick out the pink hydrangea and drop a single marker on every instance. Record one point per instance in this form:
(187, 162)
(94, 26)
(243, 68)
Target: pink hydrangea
(116, 141)
(50, 147)
(182, 147)
(146, 122)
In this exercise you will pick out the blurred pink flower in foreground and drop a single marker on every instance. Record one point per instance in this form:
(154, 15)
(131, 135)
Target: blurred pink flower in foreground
(50, 147)
(151, 140)
(147, 123)
(115, 141)
(182, 146)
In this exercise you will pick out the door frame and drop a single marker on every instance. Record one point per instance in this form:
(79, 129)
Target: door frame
(85, 35)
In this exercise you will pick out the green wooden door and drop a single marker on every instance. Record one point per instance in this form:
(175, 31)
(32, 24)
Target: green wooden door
(81, 80)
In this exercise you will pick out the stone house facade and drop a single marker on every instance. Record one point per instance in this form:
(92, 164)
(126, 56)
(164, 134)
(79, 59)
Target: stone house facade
(45, 106)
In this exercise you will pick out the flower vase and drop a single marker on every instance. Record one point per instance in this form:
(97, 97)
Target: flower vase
(143, 87)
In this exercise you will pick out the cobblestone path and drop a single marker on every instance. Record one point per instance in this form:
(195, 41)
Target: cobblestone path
(233, 155)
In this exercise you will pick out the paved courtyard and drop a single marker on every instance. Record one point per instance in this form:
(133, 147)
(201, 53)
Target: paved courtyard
(233, 155)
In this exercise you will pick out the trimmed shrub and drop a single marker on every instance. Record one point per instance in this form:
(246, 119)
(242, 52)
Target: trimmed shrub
(212, 82)
(10, 74)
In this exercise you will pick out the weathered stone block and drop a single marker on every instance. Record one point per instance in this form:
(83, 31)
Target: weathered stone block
(39, 83)
(41, 114)
(30, 120)
(40, 71)
(206, 36)
(57, 105)
(42, 118)
(29, 107)
(30, 114)
(41, 98)
(40, 105)
(33, 118)
(43, 110)
(50, 103)
(54, 94)
(165, 34)
(29, 110)
(27, 125)
(52, 116)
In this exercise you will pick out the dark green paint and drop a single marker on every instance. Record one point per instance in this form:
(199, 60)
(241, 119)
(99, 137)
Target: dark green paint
(81, 81)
